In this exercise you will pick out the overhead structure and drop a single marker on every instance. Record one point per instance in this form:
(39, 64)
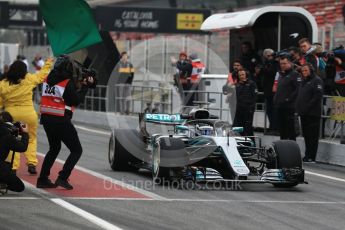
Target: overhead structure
(276, 27)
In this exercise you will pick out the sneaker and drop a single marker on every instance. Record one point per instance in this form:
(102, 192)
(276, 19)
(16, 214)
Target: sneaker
(45, 183)
(32, 169)
(63, 183)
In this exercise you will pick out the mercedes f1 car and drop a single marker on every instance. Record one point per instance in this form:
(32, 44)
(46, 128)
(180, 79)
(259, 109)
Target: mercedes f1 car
(201, 148)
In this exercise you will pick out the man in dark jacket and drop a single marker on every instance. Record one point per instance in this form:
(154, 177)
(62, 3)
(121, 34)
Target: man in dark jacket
(60, 94)
(285, 99)
(9, 141)
(269, 71)
(245, 106)
(249, 58)
(308, 107)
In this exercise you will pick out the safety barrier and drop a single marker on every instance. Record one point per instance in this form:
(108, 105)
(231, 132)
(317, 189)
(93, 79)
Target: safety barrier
(162, 99)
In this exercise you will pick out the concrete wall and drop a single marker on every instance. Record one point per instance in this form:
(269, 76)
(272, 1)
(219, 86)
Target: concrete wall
(328, 152)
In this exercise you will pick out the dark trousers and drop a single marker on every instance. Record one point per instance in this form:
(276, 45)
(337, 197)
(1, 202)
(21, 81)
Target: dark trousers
(188, 97)
(286, 122)
(58, 132)
(244, 118)
(311, 131)
(9, 178)
(271, 113)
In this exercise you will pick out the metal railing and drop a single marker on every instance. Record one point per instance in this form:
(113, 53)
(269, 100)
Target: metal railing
(145, 98)
(338, 126)
(96, 99)
(207, 100)
(141, 98)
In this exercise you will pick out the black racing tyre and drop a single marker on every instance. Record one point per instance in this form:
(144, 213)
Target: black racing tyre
(119, 158)
(288, 155)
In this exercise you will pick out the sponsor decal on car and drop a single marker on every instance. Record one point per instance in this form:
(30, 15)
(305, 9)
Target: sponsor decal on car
(163, 117)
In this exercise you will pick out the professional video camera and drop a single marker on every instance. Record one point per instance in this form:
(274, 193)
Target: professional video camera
(338, 52)
(65, 65)
(83, 73)
(15, 128)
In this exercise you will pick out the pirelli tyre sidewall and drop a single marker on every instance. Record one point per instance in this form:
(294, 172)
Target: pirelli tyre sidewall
(288, 155)
(119, 158)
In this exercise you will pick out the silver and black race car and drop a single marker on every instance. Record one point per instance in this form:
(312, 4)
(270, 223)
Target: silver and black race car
(199, 147)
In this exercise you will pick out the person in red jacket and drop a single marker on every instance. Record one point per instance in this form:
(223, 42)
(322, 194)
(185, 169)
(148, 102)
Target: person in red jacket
(61, 92)
(198, 69)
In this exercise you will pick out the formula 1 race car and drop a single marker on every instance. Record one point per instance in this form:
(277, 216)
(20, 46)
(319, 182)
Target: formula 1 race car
(199, 147)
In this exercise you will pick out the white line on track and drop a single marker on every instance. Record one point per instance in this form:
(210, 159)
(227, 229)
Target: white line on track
(215, 201)
(93, 130)
(325, 176)
(90, 217)
(107, 179)
(19, 198)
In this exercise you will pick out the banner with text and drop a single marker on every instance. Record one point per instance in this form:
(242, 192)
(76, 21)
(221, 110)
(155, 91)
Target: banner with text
(338, 108)
(150, 20)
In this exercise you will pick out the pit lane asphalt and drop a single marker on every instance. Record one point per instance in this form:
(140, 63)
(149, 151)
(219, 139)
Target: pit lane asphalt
(318, 205)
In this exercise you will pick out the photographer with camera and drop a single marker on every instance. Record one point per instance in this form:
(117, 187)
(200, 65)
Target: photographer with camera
(16, 94)
(296, 58)
(13, 137)
(335, 71)
(64, 88)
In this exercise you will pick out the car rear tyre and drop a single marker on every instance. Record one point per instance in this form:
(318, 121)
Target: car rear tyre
(119, 158)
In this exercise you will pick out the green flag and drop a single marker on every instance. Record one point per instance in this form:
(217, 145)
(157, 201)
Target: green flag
(70, 25)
